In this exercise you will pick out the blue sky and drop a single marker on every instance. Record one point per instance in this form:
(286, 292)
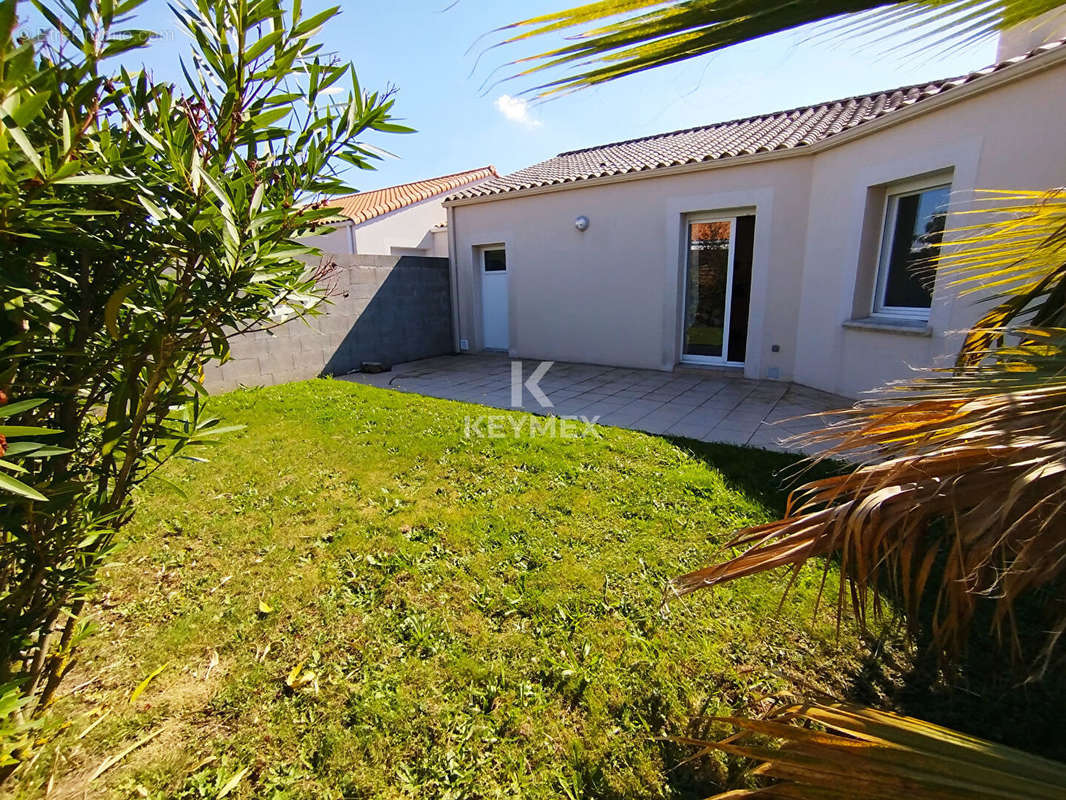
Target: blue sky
(428, 50)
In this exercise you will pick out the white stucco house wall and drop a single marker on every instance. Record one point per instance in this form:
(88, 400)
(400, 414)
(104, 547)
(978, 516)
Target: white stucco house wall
(781, 246)
(408, 219)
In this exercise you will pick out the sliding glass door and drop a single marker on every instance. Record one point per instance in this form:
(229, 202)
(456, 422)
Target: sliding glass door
(717, 288)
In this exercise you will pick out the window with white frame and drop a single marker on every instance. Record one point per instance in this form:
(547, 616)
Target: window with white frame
(910, 242)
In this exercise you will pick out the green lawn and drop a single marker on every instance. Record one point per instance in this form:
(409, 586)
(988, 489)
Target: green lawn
(475, 617)
(704, 335)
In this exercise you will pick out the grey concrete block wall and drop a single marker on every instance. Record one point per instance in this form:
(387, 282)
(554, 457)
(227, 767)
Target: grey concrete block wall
(383, 308)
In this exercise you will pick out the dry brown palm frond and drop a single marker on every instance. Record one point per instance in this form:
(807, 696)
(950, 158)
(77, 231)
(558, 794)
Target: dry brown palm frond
(876, 755)
(988, 466)
(961, 486)
(990, 469)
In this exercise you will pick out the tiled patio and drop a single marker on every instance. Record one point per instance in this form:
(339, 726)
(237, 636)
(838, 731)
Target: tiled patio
(712, 406)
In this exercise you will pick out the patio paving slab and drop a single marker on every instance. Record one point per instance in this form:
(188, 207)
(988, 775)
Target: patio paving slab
(711, 407)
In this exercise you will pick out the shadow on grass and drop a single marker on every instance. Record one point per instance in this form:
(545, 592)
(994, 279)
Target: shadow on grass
(985, 694)
(762, 475)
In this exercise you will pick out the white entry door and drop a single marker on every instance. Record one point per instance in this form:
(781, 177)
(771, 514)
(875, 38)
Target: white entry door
(494, 298)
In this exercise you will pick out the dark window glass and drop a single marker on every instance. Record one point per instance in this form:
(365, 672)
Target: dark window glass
(738, 311)
(495, 260)
(916, 235)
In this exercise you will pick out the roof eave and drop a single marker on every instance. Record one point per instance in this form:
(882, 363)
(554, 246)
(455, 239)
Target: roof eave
(993, 80)
(363, 219)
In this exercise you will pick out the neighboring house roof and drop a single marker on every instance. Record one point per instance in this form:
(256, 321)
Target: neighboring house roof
(364, 206)
(778, 131)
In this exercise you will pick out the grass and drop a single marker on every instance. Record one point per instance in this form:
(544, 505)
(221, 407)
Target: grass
(355, 600)
(706, 335)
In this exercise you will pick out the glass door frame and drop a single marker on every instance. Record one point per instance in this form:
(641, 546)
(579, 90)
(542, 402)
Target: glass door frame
(689, 221)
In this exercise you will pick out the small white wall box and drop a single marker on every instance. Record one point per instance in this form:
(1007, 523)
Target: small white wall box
(464, 344)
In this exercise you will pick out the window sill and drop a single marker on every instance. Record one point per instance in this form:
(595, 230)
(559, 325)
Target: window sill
(902, 327)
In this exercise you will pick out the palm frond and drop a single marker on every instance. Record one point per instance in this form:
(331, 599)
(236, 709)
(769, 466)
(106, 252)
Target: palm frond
(962, 470)
(858, 752)
(622, 37)
(1018, 259)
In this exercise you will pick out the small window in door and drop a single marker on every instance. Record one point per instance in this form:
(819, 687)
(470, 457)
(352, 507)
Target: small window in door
(495, 260)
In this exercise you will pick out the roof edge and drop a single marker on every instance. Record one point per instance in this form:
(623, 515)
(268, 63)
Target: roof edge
(1000, 75)
(488, 167)
(836, 101)
(359, 208)
(358, 223)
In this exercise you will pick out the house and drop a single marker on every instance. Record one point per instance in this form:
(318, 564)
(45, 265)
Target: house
(399, 220)
(779, 245)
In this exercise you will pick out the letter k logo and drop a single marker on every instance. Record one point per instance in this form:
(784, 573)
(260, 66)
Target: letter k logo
(533, 384)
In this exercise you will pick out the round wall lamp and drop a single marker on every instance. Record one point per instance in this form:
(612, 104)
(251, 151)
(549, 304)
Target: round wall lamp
(582, 223)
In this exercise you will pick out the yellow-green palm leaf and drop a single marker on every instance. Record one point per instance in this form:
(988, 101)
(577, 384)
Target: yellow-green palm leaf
(622, 37)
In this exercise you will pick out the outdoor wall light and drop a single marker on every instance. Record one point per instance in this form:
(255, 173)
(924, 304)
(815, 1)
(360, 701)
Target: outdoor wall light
(582, 223)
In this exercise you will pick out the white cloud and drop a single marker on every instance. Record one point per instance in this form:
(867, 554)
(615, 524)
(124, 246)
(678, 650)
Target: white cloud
(517, 110)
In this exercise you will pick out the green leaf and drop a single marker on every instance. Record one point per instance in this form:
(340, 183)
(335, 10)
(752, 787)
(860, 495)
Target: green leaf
(24, 144)
(309, 26)
(9, 484)
(93, 180)
(45, 451)
(20, 407)
(389, 127)
(68, 138)
(144, 684)
(114, 303)
(220, 430)
(232, 783)
(257, 199)
(22, 448)
(137, 126)
(264, 44)
(268, 118)
(112, 435)
(29, 108)
(26, 430)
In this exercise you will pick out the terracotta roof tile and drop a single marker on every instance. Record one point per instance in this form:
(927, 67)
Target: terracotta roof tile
(364, 206)
(782, 130)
